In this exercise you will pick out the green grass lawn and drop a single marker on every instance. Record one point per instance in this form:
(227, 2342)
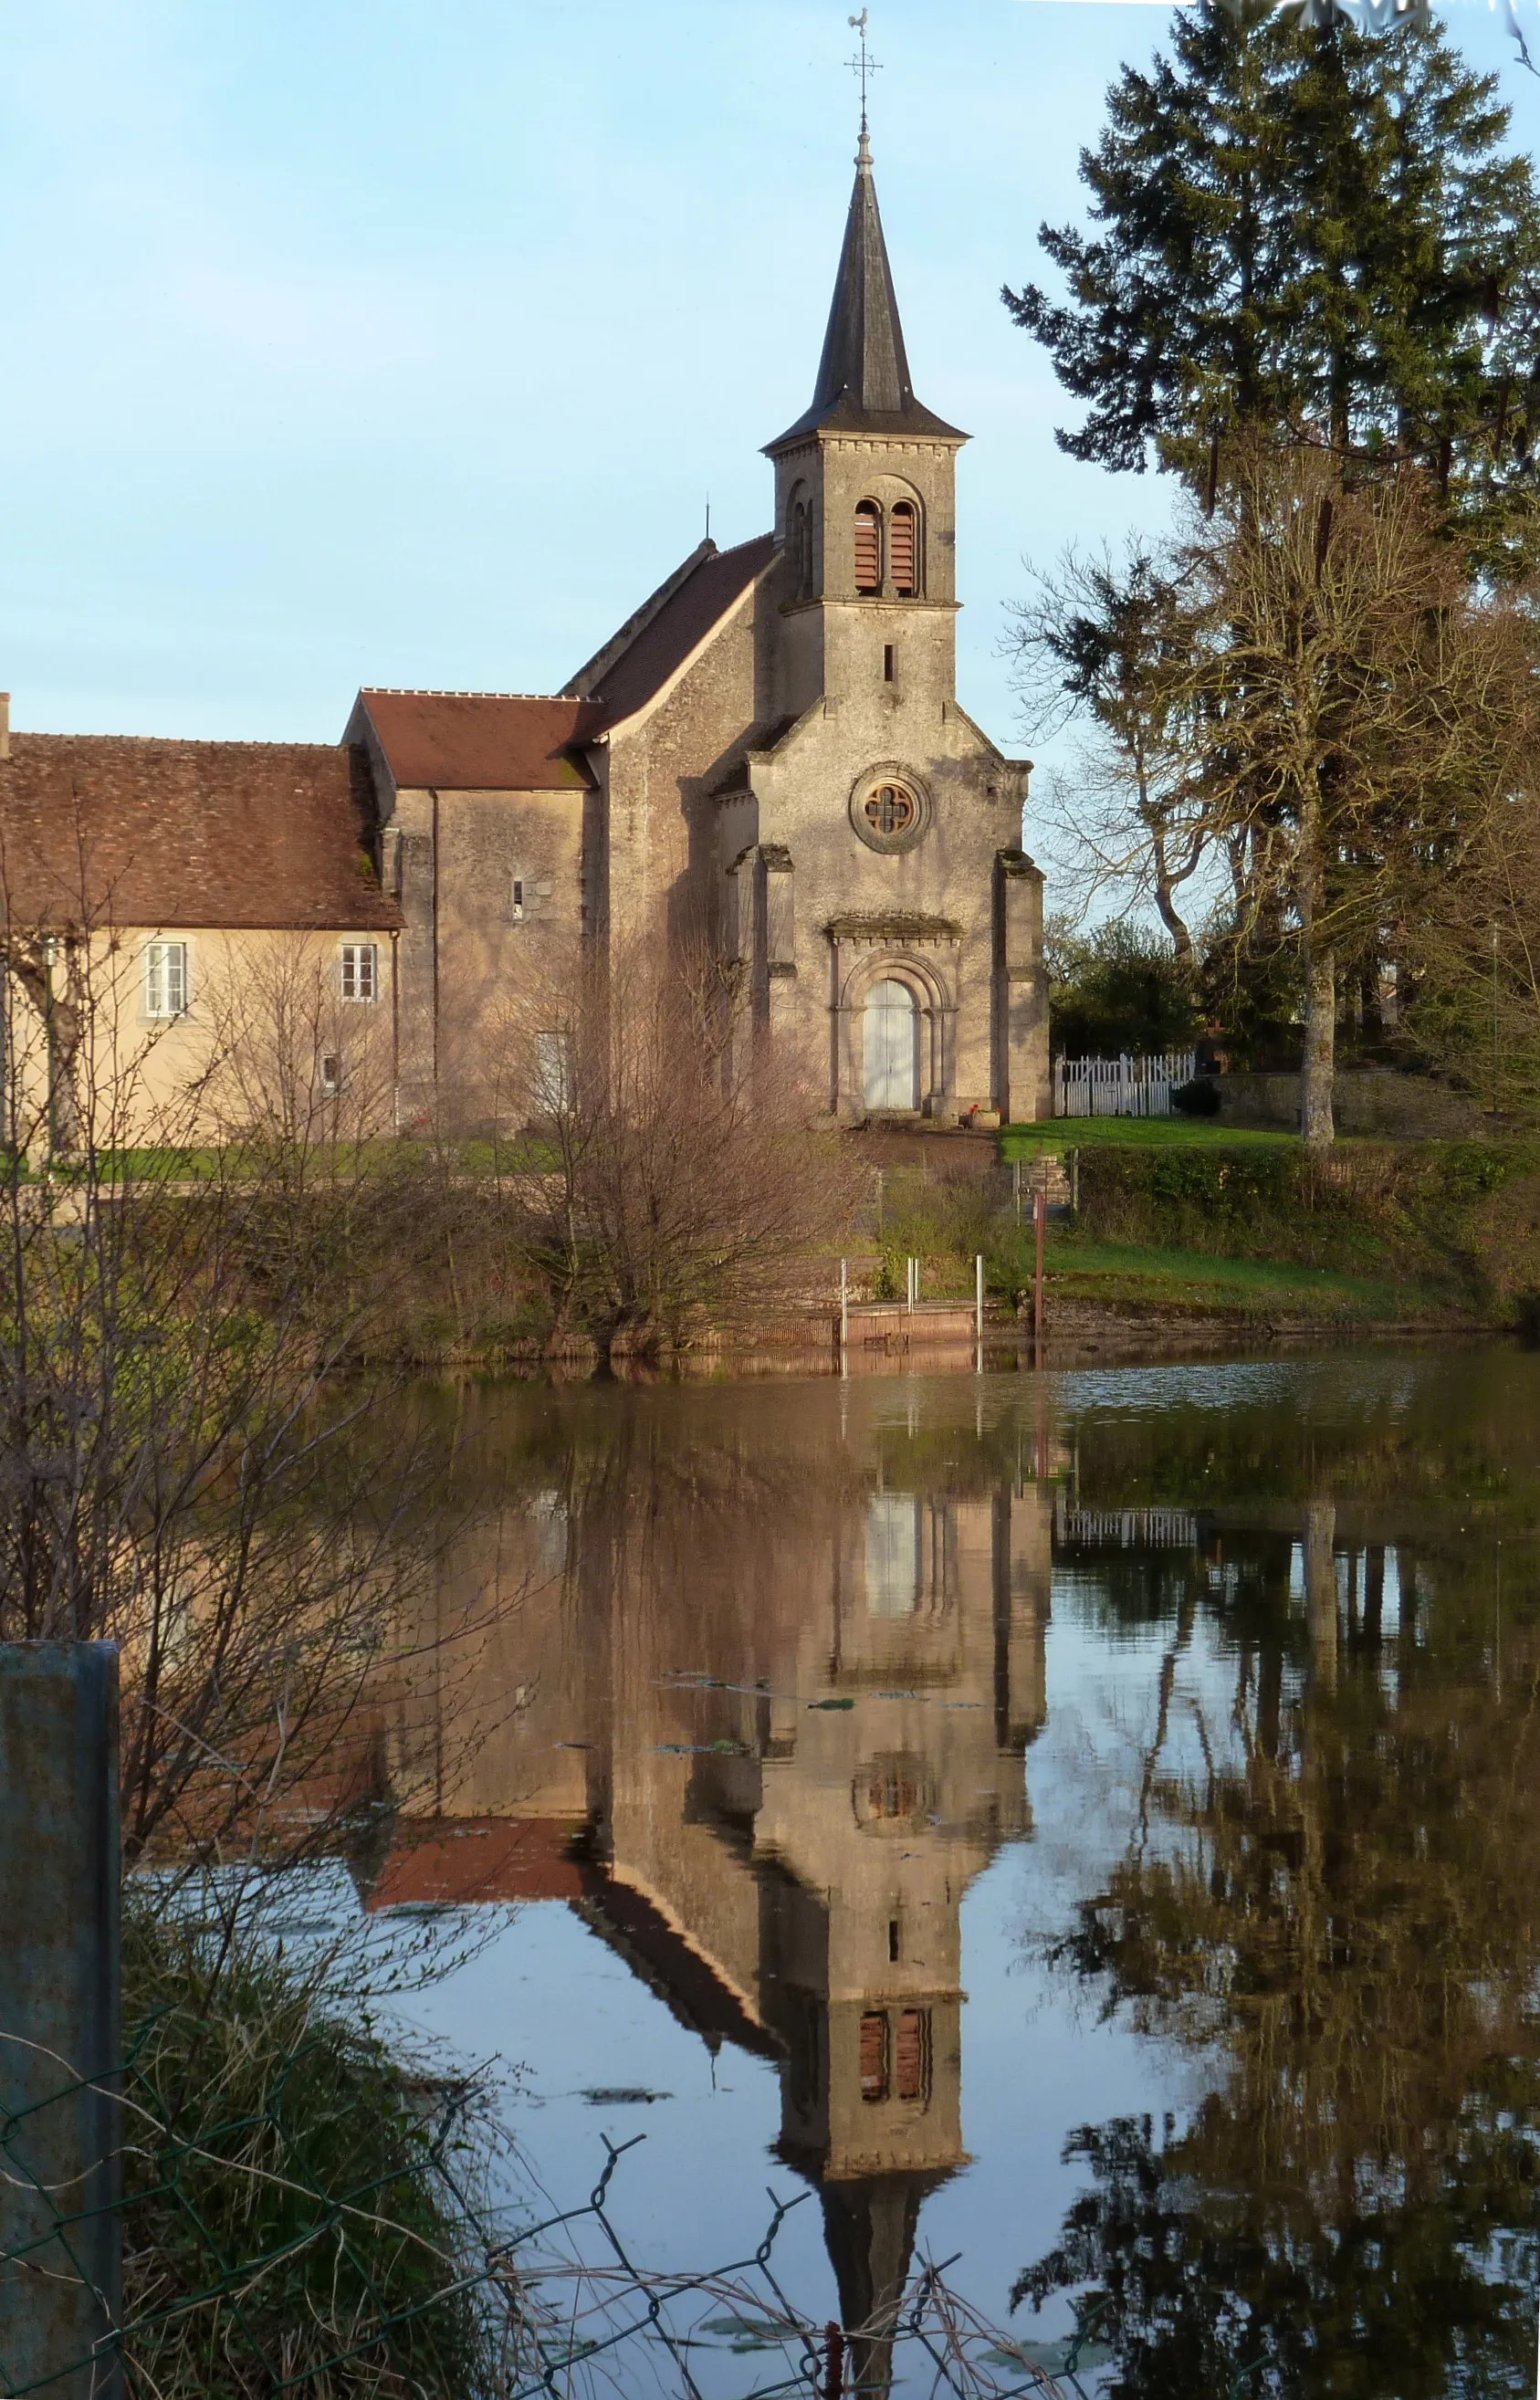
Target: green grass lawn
(1116, 1270)
(1144, 1132)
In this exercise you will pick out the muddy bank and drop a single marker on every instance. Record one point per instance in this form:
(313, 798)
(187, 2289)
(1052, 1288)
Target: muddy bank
(1078, 1332)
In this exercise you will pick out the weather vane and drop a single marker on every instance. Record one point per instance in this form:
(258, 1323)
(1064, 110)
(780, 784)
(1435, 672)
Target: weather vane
(865, 65)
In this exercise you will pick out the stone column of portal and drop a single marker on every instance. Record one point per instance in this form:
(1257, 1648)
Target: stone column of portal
(738, 945)
(780, 932)
(60, 2036)
(1022, 1089)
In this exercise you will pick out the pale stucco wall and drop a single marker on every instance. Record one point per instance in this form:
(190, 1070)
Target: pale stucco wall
(263, 1009)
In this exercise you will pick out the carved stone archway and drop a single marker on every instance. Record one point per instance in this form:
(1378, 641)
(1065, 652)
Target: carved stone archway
(923, 956)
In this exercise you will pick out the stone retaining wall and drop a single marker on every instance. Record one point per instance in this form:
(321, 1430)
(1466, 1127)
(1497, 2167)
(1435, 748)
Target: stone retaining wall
(1365, 1100)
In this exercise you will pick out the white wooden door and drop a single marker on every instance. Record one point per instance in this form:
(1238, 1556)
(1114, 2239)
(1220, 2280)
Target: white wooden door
(890, 1047)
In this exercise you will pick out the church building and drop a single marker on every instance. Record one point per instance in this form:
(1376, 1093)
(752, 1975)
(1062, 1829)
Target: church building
(767, 759)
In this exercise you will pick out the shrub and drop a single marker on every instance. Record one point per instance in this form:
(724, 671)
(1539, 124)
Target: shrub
(290, 2216)
(1198, 1098)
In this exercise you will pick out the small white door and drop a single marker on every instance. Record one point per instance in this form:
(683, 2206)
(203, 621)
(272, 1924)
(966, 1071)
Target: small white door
(890, 1047)
(893, 1554)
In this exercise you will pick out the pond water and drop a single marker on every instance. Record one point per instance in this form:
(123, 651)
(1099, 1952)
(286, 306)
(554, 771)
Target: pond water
(1085, 1826)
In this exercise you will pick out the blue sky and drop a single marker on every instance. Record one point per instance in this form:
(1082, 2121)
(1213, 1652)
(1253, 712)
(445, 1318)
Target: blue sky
(401, 341)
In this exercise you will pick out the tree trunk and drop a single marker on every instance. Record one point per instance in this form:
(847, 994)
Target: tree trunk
(1320, 1589)
(1320, 980)
(1320, 1048)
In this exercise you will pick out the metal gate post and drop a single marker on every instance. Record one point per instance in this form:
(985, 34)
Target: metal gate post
(59, 2033)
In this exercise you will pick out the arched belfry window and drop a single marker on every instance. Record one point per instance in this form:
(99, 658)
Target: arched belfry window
(903, 549)
(801, 548)
(869, 546)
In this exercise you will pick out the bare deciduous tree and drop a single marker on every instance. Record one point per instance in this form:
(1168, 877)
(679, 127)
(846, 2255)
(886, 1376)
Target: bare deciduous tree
(1088, 644)
(180, 1471)
(674, 1176)
(1338, 709)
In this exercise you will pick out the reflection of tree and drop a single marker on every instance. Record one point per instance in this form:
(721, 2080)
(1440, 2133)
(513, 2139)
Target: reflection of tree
(1341, 1905)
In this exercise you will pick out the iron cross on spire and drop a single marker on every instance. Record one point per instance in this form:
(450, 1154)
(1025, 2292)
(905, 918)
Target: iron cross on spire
(865, 65)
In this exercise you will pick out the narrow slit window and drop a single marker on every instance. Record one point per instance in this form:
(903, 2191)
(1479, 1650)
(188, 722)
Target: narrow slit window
(912, 2057)
(893, 1941)
(903, 549)
(869, 546)
(360, 977)
(801, 548)
(874, 2056)
(330, 1074)
(887, 662)
(515, 900)
(166, 979)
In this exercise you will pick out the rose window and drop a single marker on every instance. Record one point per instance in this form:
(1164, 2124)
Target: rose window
(890, 810)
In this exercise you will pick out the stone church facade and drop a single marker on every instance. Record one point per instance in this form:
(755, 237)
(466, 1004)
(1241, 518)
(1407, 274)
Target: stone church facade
(769, 759)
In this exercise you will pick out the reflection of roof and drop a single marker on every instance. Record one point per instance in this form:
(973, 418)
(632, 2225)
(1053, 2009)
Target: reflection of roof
(109, 829)
(472, 1858)
(698, 598)
(680, 1975)
(481, 740)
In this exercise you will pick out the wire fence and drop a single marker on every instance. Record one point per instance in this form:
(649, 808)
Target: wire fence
(291, 2246)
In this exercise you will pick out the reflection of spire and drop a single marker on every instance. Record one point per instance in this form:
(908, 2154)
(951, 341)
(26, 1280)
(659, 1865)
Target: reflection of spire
(869, 2228)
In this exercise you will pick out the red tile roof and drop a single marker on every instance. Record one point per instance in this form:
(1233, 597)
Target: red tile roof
(470, 1859)
(103, 828)
(667, 638)
(481, 740)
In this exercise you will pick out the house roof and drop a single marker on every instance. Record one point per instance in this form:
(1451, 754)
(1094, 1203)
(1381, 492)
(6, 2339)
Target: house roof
(482, 741)
(105, 828)
(469, 1859)
(863, 374)
(692, 603)
(685, 1979)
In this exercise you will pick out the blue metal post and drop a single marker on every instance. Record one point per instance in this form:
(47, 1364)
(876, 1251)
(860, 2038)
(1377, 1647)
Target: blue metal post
(60, 2031)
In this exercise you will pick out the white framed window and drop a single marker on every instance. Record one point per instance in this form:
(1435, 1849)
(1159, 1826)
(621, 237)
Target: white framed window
(360, 971)
(554, 1075)
(515, 900)
(164, 978)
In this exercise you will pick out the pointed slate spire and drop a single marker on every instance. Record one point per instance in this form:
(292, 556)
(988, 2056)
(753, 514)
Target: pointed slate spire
(863, 374)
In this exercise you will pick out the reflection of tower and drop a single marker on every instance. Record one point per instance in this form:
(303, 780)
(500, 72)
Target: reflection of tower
(795, 1723)
(873, 1821)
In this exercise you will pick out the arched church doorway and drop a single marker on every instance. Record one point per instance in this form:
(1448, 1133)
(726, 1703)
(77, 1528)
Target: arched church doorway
(890, 1047)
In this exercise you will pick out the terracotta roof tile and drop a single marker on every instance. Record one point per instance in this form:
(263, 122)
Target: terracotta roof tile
(110, 830)
(481, 740)
(475, 1859)
(666, 639)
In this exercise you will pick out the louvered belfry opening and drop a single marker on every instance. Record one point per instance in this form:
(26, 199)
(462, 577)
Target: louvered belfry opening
(912, 2058)
(869, 546)
(903, 550)
(874, 2056)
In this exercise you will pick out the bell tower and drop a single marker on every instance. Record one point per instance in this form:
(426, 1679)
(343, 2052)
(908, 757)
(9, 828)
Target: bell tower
(864, 496)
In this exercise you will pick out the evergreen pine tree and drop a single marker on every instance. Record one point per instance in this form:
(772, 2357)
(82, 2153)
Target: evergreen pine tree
(1306, 226)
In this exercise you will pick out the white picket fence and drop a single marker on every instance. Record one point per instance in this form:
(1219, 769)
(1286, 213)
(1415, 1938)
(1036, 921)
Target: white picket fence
(1120, 1087)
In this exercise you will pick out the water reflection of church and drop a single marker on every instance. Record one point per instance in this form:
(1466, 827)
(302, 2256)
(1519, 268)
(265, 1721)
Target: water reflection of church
(766, 1775)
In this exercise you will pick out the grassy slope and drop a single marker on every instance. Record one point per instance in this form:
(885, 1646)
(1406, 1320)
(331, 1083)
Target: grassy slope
(1143, 1133)
(1117, 1272)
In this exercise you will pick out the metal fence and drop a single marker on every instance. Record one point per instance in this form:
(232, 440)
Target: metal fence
(1120, 1087)
(521, 2304)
